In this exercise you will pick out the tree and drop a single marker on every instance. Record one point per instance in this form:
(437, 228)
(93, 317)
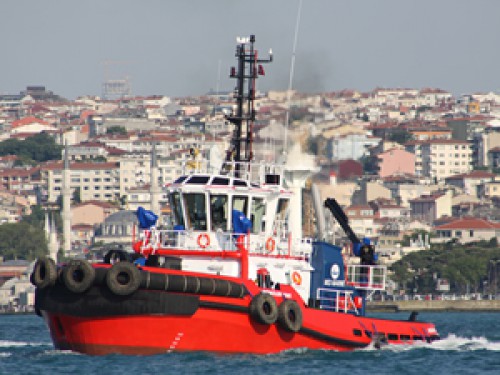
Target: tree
(465, 266)
(370, 164)
(400, 136)
(22, 241)
(76, 198)
(37, 148)
(119, 130)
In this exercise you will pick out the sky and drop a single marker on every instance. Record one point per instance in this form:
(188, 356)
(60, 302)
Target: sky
(186, 47)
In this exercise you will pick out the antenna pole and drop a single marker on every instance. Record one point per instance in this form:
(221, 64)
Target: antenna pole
(290, 80)
(249, 69)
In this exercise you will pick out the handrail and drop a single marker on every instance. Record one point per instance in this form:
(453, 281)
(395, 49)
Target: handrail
(368, 277)
(338, 300)
(275, 245)
(251, 171)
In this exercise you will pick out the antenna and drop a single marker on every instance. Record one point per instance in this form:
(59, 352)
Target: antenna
(249, 69)
(290, 81)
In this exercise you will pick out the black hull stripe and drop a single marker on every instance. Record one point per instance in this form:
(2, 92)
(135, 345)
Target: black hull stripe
(306, 331)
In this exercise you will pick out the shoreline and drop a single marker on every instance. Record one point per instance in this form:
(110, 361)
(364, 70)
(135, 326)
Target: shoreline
(407, 306)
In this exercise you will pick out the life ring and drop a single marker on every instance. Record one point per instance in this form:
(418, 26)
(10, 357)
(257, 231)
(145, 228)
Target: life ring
(346, 303)
(290, 315)
(44, 273)
(203, 240)
(270, 245)
(264, 309)
(78, 275)
(123, 278)
(296, 278)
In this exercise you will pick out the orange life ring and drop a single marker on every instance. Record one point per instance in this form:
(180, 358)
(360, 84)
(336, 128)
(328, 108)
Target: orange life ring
(203, 240)
(270, 245)
(296, 278)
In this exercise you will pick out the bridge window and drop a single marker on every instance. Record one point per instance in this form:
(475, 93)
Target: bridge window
(175, 203)
(257, 214)
(240, 203)
(282, 211)
(196, 214)
(220, 181)
(219, 208)
(198, 180)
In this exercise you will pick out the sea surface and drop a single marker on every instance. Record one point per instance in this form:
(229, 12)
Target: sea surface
(470, 345)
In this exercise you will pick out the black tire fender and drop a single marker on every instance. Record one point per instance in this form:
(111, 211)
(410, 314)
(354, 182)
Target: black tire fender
(44, 273)
(290, 315)
(264, 309)
(123, 278)
(78, 275)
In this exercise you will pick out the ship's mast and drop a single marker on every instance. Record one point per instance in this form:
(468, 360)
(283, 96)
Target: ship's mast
(249, 68)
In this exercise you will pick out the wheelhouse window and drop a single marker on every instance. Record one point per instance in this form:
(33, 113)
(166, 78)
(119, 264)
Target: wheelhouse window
(219, 209)
(281, 220)
(282, 211)
(257, 214)
(196, 214)
(175, 203)
(240, 203)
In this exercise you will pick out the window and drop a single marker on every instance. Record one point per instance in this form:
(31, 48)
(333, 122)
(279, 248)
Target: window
(219, 210)
(257, 214)
(281, 220)
(175, 203)
(240, 203)
(220, 181)
(196, 214)
(471, 233)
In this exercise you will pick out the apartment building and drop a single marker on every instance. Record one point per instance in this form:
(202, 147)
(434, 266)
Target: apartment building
(94, 181)
(441, 158)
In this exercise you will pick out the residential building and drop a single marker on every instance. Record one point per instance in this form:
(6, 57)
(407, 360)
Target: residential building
(467, 229)
(431, 207)
(441, 158)
(470, 183)
(396, 161)
(93, 181)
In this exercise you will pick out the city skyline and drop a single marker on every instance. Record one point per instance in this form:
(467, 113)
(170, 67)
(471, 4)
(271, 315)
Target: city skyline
(187, 48)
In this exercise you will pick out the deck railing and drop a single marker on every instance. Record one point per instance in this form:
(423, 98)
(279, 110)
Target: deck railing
(155, 239)
(252, 171)
(366, 277)
(338, 300)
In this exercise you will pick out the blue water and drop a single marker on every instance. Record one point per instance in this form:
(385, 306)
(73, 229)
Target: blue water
(470, 345)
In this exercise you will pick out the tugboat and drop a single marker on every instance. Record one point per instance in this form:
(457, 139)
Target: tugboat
(233, 275)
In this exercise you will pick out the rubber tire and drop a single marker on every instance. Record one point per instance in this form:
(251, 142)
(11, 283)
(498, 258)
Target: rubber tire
(123, 278)
(44, 273)
(290, 315)
(115, 254)
(264, 309)
(78, 275)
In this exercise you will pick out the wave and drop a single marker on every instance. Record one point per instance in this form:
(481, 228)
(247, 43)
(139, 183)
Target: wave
(451, 342)
(18, 344)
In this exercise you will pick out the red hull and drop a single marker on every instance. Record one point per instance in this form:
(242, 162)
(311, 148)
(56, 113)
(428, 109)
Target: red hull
(222, 330)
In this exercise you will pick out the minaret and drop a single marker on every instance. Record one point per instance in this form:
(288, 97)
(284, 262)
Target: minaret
(53, 242)
(154, 191)
(47, 227)
(66, 202)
